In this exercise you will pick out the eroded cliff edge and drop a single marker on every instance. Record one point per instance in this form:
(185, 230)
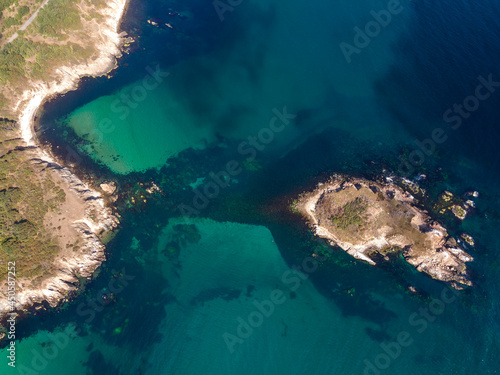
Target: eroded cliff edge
(370, 220)
(55, 224)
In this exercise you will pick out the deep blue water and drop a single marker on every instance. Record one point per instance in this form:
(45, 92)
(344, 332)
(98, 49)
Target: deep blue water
(188, 283)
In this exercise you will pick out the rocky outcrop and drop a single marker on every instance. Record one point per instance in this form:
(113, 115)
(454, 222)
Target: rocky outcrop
(370, 220)
(94, 220)
(91, 219)
(108, 188)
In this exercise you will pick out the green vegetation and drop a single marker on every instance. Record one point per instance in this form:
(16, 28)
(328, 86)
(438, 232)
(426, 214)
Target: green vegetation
(34, 55)
(24, 59)
(4, 4)
(350, 212)
(22, 11)
(13, 13)
(350, 215)
(25, 198)
(13, 61)
(293, 206)
(55, 38)
(57, 18)
(29, 196)
(11, 21)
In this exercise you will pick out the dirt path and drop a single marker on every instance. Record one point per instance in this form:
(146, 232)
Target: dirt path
(27, 23)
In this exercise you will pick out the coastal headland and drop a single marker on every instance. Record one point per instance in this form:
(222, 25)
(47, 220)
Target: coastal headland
(53, 223)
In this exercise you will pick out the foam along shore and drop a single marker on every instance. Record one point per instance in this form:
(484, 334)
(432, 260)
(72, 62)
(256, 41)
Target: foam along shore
(371, 221)
(85, 208)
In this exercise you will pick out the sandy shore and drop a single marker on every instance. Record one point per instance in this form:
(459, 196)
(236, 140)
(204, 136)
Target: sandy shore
(89, 216)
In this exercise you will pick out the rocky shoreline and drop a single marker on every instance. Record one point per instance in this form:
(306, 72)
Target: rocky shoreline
(92, 219)
(370, 220)
(96, 220)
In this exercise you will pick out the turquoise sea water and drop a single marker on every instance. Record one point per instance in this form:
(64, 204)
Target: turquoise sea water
(232, 289)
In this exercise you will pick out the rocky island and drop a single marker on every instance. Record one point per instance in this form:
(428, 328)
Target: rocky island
(370, 220)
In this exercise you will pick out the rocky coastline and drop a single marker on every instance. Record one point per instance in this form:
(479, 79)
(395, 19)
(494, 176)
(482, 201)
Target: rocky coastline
(88, 214)
(372, 220)
(96, 220)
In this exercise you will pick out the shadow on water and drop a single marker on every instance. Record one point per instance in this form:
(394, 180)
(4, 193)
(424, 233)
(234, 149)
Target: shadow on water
(263, 190)
(163, 47)
(97, 364)
(263, 199)
(259, 198)
(432, 73)
(200, 84)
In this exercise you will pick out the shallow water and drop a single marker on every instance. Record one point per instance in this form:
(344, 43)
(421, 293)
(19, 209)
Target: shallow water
(190, 282)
